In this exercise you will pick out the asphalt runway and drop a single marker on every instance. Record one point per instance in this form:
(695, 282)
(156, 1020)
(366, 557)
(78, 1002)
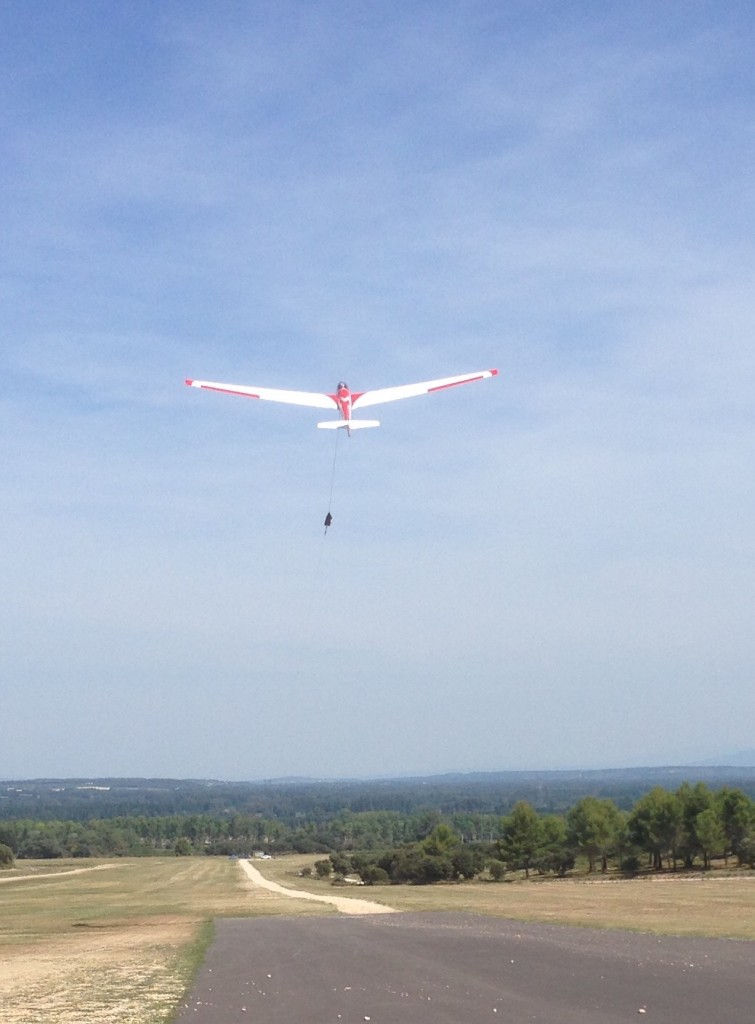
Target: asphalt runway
(444, 968)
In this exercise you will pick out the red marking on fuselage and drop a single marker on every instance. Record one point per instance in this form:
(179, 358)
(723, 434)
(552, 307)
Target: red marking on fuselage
(343, 399)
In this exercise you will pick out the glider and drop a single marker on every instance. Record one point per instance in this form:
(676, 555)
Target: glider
(343, 399)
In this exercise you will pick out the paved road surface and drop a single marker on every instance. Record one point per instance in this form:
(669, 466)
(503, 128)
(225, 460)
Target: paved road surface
(449, 968)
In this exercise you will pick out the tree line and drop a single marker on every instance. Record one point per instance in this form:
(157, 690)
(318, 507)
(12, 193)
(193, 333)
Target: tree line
(664, 829)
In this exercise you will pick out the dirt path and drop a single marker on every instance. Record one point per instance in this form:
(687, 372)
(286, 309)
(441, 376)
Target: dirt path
(57, 874)
(345, 904)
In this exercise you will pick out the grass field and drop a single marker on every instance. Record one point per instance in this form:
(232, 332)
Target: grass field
(712, 906)
(119, 941)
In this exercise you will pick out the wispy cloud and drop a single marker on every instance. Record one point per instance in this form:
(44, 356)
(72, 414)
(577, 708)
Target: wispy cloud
(291, 196)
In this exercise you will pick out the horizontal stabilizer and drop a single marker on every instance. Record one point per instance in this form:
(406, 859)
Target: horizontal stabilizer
(351, 424)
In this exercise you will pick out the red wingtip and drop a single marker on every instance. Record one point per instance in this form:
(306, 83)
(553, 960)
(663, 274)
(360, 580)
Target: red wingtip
(189, 382)
(494, 373)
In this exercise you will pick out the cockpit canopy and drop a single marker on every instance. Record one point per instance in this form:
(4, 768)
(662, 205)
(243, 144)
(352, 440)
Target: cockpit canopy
(342, 386)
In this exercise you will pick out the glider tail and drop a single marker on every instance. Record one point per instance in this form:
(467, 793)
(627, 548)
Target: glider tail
(349, 424)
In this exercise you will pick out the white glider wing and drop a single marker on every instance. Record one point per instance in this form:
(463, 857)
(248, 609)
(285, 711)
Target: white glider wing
(426, 387)
(313, 398)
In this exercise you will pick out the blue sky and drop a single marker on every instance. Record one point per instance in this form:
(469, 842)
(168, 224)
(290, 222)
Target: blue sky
(549, 569)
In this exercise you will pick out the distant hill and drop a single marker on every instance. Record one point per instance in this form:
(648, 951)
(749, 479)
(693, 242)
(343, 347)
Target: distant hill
(291, 800)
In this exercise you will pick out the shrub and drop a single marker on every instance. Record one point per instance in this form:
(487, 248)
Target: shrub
(340, 863)
(373, 874)
(630, 864)
(497, 870)
(466, 862)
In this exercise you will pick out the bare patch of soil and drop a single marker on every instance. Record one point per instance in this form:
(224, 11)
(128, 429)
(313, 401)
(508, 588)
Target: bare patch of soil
(344, 904)
(33, 876)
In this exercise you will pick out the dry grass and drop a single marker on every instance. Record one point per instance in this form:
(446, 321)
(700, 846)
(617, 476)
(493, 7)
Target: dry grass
(712, 906)
(117, 944)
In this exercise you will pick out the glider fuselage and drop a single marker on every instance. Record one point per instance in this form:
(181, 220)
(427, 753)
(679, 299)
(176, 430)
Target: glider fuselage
(344, 400)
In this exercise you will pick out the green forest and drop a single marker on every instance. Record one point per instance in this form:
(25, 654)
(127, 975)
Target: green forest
(316, 800)
(424, 841)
